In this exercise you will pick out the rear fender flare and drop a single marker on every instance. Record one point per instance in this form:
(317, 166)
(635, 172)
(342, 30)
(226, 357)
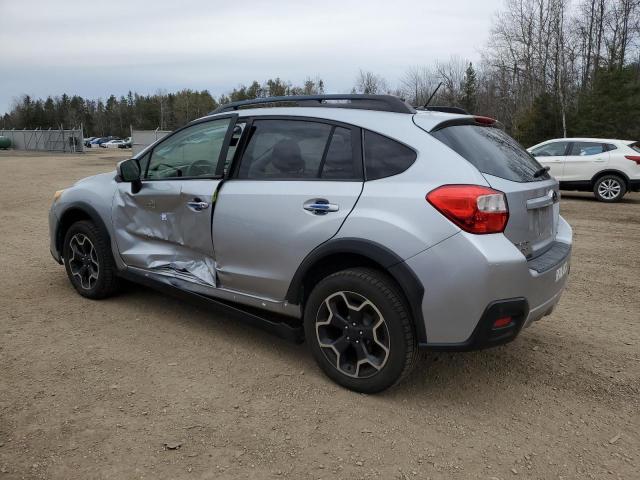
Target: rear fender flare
(390, 262)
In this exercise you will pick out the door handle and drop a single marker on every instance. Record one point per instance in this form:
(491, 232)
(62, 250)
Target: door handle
(197, 205)
(320, 206)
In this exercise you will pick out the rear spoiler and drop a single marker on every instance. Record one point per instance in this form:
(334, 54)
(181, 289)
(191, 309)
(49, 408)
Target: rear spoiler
(470, 120)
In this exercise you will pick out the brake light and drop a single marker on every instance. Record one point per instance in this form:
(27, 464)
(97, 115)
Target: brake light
(473, 208)
(634, 158)
(485, 120)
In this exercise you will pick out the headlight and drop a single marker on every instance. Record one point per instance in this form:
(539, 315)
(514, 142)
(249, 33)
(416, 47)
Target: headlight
(57, 195)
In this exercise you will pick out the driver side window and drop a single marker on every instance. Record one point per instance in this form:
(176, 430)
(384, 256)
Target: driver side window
(192, 152)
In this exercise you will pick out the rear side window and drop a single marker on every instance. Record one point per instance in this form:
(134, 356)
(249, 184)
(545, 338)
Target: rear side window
(635, 146)
(295, 149)
(555, 149)
(491, 151)
(384, 157)
(582, 149)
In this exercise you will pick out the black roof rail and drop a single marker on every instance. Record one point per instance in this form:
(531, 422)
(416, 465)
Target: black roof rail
(445, 109)
(384, 103)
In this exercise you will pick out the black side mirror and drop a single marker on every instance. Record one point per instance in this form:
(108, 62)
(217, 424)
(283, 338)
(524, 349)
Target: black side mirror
(129, 171)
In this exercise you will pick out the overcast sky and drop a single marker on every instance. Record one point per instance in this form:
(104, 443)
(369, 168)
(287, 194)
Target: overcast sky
(95, 48)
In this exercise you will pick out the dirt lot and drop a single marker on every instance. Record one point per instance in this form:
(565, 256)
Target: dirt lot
(95, 389)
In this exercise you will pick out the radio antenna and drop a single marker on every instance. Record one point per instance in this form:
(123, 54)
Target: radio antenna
(432, 95)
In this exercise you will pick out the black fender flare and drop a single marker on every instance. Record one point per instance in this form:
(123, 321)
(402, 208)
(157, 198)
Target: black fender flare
(394, 265)
(86, 209)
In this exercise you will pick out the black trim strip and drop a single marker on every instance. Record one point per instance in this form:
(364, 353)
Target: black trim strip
(254, 317)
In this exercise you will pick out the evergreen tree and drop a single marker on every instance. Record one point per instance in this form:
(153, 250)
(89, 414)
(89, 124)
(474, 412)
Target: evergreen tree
(469, 90)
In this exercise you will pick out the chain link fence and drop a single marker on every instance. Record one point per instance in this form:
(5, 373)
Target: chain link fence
(61, 140)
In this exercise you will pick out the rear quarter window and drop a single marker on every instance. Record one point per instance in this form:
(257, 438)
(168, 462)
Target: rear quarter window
(491, 151)
(384, 157)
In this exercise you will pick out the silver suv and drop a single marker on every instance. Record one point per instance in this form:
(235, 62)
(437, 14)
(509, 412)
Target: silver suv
(357, 222)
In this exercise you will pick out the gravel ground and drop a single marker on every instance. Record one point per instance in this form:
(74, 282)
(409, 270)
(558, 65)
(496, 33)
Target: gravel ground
(145, 386)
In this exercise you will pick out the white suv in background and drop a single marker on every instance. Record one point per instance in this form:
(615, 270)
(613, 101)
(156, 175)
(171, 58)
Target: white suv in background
(609, 168)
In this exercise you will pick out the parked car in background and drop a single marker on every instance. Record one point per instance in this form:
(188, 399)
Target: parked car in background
(609, 168)
(112, 144)
(369, 227)
(88, 140)
(126, 144)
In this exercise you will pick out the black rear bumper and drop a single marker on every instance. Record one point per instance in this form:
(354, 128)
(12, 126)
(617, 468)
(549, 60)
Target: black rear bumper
(485, 335)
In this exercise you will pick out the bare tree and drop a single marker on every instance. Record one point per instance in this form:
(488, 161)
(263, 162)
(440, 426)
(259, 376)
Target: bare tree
(370, 83)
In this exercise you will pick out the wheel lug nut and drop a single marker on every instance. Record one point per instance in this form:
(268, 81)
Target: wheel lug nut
(354, 324)
(360, 332)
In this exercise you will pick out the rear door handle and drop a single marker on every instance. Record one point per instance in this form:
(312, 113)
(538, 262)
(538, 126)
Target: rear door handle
(320, 206)
(197, 205)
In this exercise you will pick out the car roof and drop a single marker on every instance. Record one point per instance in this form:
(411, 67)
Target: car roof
(383, 122)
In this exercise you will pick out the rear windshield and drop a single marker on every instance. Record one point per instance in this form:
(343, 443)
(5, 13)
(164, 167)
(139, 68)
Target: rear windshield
(635, 146)
(491, 151)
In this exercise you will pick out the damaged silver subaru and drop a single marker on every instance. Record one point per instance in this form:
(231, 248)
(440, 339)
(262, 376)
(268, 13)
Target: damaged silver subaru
(357, 222)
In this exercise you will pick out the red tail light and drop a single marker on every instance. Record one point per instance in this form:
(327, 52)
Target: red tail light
(473, 208)
(635, 158)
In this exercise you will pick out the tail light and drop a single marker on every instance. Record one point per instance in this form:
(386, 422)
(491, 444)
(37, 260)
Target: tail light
(473, 208)
(634, 158)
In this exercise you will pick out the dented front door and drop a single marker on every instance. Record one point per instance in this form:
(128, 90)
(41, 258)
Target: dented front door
(166, 226)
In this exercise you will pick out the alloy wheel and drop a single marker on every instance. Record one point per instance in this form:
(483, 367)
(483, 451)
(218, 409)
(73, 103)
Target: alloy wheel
(83, 262)
(609, 189)
(352, 334)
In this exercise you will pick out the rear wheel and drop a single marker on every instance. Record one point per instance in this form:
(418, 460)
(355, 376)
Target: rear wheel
(88, 260)
(609, 188)
(359, 330)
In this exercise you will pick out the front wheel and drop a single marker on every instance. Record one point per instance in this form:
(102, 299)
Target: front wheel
(609, 188)
(359, 329)
(88, 260)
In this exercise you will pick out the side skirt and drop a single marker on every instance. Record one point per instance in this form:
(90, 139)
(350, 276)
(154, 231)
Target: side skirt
(278, 325)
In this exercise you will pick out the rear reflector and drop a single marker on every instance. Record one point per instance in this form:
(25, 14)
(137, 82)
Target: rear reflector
(502, 322)
(634, 158)
(474, 208)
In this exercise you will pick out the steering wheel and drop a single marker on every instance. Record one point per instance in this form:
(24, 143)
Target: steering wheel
(157, 166)
(200, 168)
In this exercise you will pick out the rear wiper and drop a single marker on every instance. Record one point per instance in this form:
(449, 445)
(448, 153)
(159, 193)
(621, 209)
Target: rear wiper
(541, 171)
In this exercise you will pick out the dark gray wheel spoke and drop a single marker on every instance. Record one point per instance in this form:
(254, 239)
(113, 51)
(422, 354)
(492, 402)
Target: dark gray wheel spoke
(83, 261)
(352, 334)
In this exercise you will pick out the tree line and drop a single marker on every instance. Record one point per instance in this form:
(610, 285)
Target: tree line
(551, 68)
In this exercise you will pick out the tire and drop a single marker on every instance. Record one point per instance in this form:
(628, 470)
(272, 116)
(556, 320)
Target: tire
(355, 311)
(609, 188)
(89, 261)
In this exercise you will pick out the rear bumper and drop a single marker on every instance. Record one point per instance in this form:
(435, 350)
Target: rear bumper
(634, 185)
(467, 277)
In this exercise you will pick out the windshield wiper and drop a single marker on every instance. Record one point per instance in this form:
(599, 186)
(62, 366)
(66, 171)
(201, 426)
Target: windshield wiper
(541, 171)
